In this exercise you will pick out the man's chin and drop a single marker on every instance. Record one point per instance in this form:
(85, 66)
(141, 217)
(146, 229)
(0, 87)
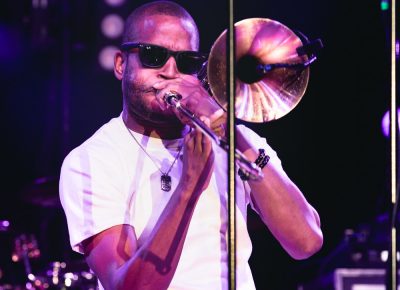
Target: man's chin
(158, 118)
(164, 118)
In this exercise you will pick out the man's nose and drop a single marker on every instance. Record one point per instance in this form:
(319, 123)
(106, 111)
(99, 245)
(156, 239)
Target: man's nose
(170, 69)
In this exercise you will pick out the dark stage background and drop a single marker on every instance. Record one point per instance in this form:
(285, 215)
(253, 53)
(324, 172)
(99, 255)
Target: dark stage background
(54, 95)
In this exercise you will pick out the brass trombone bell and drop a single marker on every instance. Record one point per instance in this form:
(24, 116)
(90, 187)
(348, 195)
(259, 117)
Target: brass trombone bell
(266, 97)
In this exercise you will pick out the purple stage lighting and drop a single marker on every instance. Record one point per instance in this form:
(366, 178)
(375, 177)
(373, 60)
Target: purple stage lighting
(106, 57)
(112, 26)
(115, 2)
(386, 122)
(4, 225)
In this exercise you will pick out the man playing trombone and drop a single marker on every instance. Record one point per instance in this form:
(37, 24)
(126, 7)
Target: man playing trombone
(145, 196)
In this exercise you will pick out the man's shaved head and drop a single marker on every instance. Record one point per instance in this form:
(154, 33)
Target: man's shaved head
(168, 8)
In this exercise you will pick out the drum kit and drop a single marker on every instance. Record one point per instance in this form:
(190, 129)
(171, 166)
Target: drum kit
(24, 263)
(272, 75)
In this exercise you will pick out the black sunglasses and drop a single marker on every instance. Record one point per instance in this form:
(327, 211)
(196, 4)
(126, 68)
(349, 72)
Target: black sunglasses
(154, 56)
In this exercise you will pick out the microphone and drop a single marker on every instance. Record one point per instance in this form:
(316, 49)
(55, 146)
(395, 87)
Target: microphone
(251, 70)
(310, 48)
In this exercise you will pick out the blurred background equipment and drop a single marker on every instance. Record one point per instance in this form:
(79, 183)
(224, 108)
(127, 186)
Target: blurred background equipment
(42, 192)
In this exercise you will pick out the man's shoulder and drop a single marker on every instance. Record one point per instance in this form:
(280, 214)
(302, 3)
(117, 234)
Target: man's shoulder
(245, 130)
(104, 142)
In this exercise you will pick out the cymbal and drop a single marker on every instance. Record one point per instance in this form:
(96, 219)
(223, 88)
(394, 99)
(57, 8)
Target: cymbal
(42, 192)
(277, 92)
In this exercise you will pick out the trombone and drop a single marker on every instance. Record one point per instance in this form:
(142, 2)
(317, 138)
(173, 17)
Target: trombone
(272, 71)
(249, 168)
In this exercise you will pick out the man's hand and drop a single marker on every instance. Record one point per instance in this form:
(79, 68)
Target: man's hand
(198, 160)
(196, 99)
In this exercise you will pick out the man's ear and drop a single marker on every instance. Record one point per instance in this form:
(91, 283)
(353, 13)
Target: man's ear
(119, 65)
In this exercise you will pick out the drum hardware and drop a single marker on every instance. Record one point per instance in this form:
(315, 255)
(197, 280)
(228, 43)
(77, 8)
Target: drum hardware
(61, 275)
(25, 249)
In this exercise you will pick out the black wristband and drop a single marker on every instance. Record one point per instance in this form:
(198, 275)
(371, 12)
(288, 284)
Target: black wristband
(261, 155)
(261, 161)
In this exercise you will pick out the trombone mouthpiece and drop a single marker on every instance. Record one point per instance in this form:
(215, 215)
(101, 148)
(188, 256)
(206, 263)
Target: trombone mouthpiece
(172, 97)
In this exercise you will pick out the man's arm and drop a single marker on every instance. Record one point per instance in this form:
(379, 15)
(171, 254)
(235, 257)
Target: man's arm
(114, 254)
(283, 208)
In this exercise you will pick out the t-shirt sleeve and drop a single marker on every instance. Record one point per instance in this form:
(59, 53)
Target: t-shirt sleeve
(91, 193)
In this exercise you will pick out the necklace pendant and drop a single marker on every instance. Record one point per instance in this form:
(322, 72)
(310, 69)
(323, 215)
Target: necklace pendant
(165, 182)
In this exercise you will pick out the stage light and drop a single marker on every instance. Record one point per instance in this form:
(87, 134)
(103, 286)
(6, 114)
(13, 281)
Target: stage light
(115, 2)
(106, 57)
(385, 124)
(39, 4)
(112, 26)
(4, 224)
(384, 5)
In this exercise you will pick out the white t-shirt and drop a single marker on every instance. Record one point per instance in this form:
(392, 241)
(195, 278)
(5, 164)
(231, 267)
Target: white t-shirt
(109, 180)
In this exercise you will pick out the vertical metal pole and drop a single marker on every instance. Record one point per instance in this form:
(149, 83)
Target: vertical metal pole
(394, 141)
(231, 165)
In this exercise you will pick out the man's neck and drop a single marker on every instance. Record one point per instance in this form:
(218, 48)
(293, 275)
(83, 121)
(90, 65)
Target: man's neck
(155, 130)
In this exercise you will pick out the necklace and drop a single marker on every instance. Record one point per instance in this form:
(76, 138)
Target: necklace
(166, 181)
